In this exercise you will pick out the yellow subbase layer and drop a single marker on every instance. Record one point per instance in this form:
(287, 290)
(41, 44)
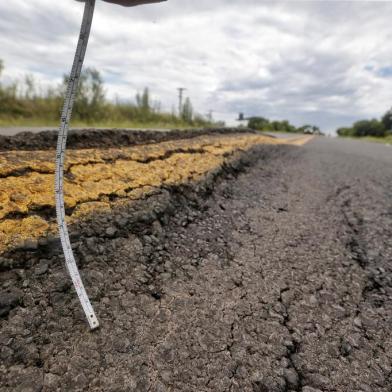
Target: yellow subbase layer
(91, 175)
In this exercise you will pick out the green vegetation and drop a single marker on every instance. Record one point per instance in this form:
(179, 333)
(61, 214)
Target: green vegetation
(386, 140)
(383, 140)
(374, 130)
(263, 124)
(23, 103)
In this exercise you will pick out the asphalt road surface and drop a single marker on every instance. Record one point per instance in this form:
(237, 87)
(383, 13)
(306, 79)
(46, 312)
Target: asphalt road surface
(286, 278)
(12, 131)
(280, 280)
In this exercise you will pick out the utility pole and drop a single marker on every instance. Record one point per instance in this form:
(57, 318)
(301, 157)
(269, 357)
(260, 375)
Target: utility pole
(180, 95)
(209, 115)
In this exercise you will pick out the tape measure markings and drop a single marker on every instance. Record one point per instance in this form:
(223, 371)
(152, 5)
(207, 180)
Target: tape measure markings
(60, 159)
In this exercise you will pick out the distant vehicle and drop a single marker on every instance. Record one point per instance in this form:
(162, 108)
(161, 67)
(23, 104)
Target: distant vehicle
(311, 130)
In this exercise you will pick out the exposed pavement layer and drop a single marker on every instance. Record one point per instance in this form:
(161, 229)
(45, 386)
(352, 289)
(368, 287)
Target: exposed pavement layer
(105, 138)
(101, 179)
(279, 281)
(13, 131)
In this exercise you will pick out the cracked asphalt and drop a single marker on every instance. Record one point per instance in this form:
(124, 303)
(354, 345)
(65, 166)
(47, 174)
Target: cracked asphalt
(101, 178)
(273, 276)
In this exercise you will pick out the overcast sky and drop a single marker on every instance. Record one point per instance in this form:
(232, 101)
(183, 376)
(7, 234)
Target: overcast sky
(322, 62)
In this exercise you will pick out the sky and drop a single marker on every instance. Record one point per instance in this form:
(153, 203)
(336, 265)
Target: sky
(327, 63)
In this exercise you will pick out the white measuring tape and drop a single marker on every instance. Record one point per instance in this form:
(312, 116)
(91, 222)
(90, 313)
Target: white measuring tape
(60, 159)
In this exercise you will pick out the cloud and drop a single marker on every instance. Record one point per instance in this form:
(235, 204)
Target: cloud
(326, 63)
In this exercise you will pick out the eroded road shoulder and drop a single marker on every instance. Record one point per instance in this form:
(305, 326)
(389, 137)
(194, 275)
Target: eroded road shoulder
(102, 179)
(279, 281)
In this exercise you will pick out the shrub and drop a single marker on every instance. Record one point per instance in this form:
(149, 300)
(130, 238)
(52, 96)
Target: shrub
(369, 128)
(259, 123)
(387, 120)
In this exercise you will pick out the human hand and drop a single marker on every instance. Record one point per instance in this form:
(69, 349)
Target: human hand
(130, 3)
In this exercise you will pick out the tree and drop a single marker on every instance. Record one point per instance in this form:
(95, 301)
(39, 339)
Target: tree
(30, 92)
(187, 111)
(345, 132)
(90, 96)
(283, 126)
(1, 67)
(369, 128)
(143, 100)
(96, 84)
(258, 123)
(387, 120)
(287, 127)
(263, 124)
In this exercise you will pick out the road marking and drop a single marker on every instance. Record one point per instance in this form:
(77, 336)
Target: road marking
(60, 159)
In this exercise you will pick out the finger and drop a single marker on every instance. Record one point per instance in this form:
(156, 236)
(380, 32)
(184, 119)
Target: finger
(132, 3)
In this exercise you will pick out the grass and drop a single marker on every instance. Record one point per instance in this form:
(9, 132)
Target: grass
(36, 122)
(382, 140)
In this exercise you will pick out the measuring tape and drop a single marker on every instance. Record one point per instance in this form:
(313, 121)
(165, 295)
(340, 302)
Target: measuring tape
(60, 159)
